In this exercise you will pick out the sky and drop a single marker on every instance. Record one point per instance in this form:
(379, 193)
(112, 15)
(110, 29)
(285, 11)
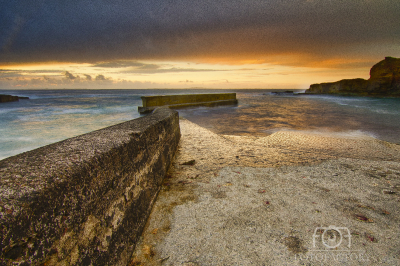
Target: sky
(141, 44)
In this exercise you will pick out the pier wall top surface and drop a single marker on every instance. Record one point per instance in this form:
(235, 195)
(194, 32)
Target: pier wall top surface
(149, 101)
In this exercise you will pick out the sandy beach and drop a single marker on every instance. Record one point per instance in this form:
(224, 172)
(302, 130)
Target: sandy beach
(291, 198)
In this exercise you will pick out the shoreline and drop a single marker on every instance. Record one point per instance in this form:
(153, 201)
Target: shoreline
(257, 200)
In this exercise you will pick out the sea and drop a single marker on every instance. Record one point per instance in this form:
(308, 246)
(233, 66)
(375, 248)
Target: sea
(54, 115)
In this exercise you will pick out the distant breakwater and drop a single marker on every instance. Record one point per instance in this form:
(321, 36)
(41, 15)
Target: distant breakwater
(85, 200)
(186, 100)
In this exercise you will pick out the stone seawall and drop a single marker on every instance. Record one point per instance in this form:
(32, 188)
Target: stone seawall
(85, 200)
(186, 100)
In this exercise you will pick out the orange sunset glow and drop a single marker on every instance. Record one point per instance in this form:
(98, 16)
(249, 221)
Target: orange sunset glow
(157, 44)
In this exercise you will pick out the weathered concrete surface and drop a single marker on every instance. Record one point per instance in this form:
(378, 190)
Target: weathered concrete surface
(187, 100)
(85, 200)
(249, 200)
(384, 81)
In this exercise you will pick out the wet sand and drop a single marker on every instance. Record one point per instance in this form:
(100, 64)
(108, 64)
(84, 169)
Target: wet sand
(238, 200)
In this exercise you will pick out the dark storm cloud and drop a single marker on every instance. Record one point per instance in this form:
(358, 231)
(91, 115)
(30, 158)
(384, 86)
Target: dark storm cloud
(35, 71)
(134, 67)
(166, 70)
(88, 77)
(68, 75)
(5, 73)
(103, 30)
(123, 64)
(100, 77)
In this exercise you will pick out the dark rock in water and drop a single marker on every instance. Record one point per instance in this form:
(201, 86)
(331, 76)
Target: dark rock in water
(384, 81)
(4, 98)
(282, 92)
(8, 98)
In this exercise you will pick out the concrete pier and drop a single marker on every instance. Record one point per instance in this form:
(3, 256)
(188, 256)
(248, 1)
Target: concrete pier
(186, 100)
(85, 200)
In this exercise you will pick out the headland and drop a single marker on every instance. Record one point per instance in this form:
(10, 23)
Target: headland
(384, 81)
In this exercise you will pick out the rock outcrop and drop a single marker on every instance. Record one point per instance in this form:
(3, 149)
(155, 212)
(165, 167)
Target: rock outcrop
(4, 98)
(384, 81)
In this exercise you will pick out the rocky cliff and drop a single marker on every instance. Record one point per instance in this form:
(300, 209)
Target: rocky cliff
(384, 81)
